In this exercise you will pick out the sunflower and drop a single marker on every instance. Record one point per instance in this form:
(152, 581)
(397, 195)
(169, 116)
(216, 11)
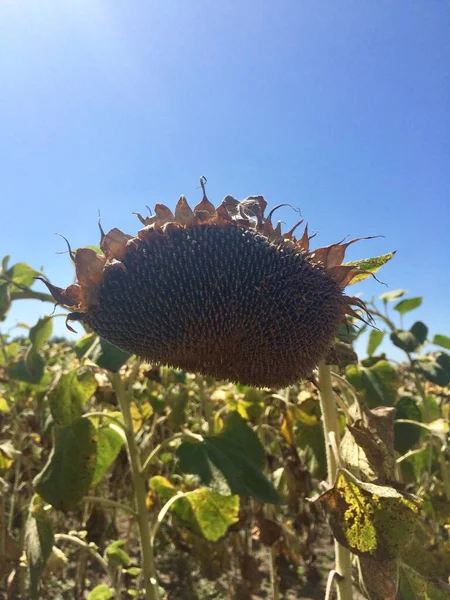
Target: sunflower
(218, 291)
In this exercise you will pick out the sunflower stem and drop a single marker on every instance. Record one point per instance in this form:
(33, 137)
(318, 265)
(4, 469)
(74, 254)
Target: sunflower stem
(148, 559)
(331, 426)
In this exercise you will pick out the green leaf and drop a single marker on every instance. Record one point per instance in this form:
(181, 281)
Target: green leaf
(436, 370)
(109, 357)
(442, 340)
(5, 262)
(420, 331)
(378, 384)
(70, 394)
(110, 442)
(40, 333)
(414, 586)
(375, 338)
(309, 437)
(5, 299)
(210, 512)
(405, 306)
(405, 340)
(227, 454)
(22, 373)
(39, 540)
(391, 296)
(84, 343)
(133, 571)
(237, 430)
(407, 435)
(368, 519)
(22, 274)
(214, 512)
(101, 592)
(68, 474)
(165, 491)
(116, 555)
(368, 266)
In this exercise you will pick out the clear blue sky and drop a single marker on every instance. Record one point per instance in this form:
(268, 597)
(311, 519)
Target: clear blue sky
(341, 108)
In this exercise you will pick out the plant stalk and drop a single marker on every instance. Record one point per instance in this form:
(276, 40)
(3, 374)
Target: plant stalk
(331, 426)
(148, 560)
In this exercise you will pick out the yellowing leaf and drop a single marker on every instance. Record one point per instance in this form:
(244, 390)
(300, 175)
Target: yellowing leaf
(368, 519)
(368, 266)
(136, 416)
(4, 406)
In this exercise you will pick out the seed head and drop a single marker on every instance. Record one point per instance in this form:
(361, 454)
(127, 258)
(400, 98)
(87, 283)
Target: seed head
(219, 291)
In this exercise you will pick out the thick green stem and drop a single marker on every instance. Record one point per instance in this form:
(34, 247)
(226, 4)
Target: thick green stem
(331, 426)
(140, 494)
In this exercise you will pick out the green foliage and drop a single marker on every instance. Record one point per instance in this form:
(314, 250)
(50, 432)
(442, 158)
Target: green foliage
(378, 384)
(22, 275)
(109, 443)
(237, 454)
(38, 543)
(209, 512)
(116, 555)
(413, 586)
(70, 394)
(393, 295)
(5, 299)
(442, 340)
(407, 305)
(412, 340)
(215, 445)
(101, 592)
(69, 472)
(407, 435)
(435, 369)
(375, 338)
(107, 356)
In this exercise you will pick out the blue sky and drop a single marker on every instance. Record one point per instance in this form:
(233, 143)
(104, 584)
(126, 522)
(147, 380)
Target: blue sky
(340, 108)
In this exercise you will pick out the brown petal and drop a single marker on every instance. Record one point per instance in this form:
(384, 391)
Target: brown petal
(74, 316)
(205, 206)
(277, 231)
(222, 216)
(202, 216)
(336, 252)
(89, 267)
(303, 242)
(231, 205)
(342, 274)
(114, 244)
(163, 214)
(150, 233)
(183, 213)
(289, 234)
(66, 297)
(171, 227)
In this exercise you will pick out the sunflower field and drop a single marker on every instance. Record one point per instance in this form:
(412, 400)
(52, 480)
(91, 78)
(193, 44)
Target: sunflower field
(252, 468)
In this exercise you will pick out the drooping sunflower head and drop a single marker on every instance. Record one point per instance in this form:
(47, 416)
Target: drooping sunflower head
(219, 291)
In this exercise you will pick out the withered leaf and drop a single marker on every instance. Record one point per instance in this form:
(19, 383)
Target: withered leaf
(377, 579)
(367, 448)
(368, 519)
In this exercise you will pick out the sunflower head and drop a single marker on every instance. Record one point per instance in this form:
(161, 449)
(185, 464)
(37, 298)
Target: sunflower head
(220, 291)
